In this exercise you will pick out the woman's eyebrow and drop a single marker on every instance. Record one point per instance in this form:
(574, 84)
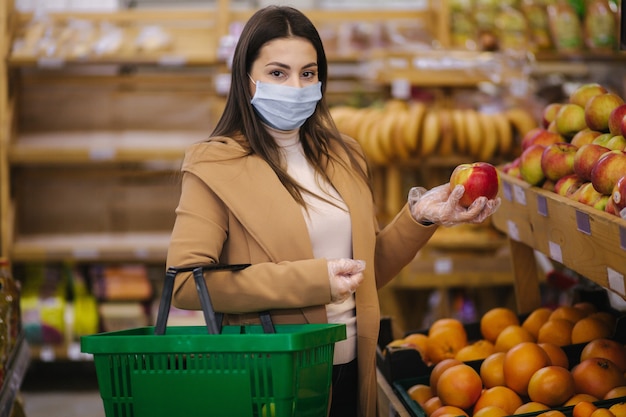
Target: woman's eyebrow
(285, 66)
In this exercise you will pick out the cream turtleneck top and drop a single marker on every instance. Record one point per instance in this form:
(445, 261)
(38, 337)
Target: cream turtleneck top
(329, 228)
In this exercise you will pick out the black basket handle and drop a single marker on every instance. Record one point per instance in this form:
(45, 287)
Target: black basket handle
(213, 319)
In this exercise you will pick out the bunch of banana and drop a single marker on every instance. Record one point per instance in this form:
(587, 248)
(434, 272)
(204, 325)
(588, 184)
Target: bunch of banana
(401, 131)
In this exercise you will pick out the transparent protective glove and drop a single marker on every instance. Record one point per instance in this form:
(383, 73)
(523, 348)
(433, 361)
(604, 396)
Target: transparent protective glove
(345, 276)
(441, 206)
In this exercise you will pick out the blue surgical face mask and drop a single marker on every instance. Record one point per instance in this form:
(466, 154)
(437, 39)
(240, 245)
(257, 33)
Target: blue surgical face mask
(283, 107)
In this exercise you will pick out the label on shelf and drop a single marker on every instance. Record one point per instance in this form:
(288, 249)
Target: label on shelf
(85, 253)
(512, 230)
(555, 251)
(622, 237)
(50, 62)
(616, 281)
(507, 191)
(582, 222)
(46, 353)
(542, 205)
(102, 154)
(519, 194)
(443, 266)
(172, 61)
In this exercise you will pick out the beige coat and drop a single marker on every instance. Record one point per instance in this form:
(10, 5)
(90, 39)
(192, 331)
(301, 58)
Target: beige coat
(233, 209)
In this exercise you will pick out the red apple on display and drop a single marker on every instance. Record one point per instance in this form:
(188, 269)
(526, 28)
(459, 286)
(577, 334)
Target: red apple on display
(557, 160)
(584, 136)
(610, 208)
(598, 110)
(586, 194)
(512, 168)
(586, 157)
(618, 195)
(541, 137)
(530, 164)
(480, 179)
(611, 142)
(608, 170)
(568, 184)
(617, 120)
(582, 94)
(549, 113)
(570, 120)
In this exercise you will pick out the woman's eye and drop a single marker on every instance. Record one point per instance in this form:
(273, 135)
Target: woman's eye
(308, 74)
(276, 73)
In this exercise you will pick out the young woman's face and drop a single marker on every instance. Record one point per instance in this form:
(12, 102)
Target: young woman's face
(287, 61)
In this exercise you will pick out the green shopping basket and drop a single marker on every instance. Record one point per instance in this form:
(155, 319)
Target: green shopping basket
(249, 371)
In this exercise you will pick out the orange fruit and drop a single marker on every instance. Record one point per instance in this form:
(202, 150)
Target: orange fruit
(492, 370)
(448, 410)
(502, 397)
(495, 320)
(420, 393)
(431, 405)
(570, 313)
(459, 386)
(445, 343)
(531, 407)
(446, 323)
(590, 328)
(551, 385)
(520, 363)
(490, 411)
(512, 335)
(536, 319)
(583, 409)
(556, 353)
(438, 369)
(602, 412)
(576, 398)
(605, 316)
(615, 393)
(419, 342)
(480, 349)
(618, 409)
(552, 413)
(608, 349)
(597, 376)
(557, 331)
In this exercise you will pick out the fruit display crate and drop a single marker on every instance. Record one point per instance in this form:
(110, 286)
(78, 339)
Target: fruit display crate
(580, 237)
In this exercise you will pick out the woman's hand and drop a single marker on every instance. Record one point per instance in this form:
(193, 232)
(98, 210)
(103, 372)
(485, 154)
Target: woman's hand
(345, 276)
(441, 206)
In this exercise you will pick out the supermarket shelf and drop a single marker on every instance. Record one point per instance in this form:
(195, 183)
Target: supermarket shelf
(14, 374)
(101, 146)
(143, 246)
(586, 240)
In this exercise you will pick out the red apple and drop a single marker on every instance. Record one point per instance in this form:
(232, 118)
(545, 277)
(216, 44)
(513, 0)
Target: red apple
(611, 142)
(598, 110)
(542, 137)
(512, 167)
(530, 164)
(608, 170)
(480, 179)
(583, 93)
(617, 119)
(570, 120)
(610, 208)
(586, 157)
(557, 160)
(618, 195)
(584, 136)
(586, 194)
(549, 113)
(568, 184)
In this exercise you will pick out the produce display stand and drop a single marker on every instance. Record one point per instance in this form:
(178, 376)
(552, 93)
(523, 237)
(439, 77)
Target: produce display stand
(582, 238)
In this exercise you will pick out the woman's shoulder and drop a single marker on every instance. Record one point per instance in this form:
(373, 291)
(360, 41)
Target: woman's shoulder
(214, 149)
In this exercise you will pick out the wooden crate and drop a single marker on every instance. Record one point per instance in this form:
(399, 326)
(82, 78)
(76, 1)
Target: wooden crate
(586, 240)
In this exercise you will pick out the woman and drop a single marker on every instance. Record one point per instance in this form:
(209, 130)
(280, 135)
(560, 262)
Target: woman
(277, 186)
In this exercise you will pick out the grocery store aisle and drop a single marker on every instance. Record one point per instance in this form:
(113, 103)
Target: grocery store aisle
(61, 389)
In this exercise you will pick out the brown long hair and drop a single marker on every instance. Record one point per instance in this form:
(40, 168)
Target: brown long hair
(239, 119)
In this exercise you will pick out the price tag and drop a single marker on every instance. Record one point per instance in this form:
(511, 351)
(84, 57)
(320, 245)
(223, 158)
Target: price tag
(616, 281)
(519, 194)
(513, 230)
(507, 191)
(400, 89)
(398, 63)
(582, 222)
(172, 61)
(542, 205)
(443, 266)
(73, 351)
(50, 62)
(622, 237)
(142, 253)
(47, 353)
(102, 154)
(555, 252)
